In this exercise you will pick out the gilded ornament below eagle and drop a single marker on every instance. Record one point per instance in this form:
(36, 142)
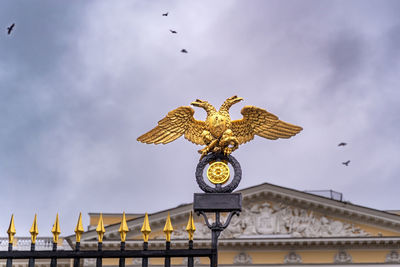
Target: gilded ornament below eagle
(218, 132)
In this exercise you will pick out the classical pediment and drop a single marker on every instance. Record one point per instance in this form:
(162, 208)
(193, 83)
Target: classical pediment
(275, 212)
(274, 219)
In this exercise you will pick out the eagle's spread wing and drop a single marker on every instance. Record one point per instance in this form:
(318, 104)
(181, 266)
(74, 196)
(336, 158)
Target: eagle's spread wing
(257, 121)
(177, 122)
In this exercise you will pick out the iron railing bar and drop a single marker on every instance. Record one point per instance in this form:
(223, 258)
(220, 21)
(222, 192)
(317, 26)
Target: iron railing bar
(190, 262)
(145, 260)
(167, 260)
(31, 262)
(9, 259)
(99, 260)
(53, 262)
(122, 260)
(77, 248)
(47, 254)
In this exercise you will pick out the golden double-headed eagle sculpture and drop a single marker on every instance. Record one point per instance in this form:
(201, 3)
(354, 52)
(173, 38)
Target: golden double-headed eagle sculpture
(218, 132)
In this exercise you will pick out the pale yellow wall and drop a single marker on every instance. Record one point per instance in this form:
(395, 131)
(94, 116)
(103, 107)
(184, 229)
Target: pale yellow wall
(109, 219)
(110, 261)
(261, 257)
(157, 261)
(308, 256)
(175, 261)
(138, 235)
(226, 257)
(258, 257)
(317, 256)
(363, 256)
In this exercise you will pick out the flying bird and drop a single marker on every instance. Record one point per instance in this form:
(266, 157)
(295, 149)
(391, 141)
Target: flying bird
(346, 163)
(9, 29)
(172, 31)
(184, 51)
(218, 132)
(165, 14)
(342, 144)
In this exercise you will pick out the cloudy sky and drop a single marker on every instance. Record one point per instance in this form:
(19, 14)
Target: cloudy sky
(80, 81)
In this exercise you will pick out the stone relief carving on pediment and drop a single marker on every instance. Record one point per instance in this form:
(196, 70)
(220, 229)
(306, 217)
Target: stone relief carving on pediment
(393, 257)
(342, 257)
(264, 219)
(292, 258)
(242, 258)
(280, 219)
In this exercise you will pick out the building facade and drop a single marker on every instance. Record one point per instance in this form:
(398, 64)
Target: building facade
(277, 226)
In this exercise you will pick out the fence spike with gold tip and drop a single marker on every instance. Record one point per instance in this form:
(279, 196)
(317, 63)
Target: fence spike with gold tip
(11, 230)
(34, 230)
(123, 229)
(79, 228)
(190, 228)
(100, 229)
(56, 230)
(146, 230)
(168, 229)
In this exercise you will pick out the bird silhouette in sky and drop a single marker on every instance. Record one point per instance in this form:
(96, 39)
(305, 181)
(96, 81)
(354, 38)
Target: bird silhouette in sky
(172, 31)
(342, 144)
(9, 29)
(346, 163)
(184, 51)
(165, 14)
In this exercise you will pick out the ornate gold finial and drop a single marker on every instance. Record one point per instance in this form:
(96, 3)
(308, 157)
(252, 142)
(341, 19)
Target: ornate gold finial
(79, 228)
(56, 230)
(34, 230)
(11, 230)
(218, 172)
(146, 230)
(218, 132)
(100, 229)
(190, 228)
(123, 229)
(168, 229)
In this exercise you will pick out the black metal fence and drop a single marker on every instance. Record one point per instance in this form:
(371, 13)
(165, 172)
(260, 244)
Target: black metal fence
(122, 253)
(203, 203)
(77, 255)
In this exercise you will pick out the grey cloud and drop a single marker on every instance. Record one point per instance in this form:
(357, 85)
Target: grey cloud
(69, 134)
(346, 57)
(42, 33)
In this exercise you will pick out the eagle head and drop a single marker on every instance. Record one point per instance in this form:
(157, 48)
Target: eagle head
(234, 99)
(199, 103)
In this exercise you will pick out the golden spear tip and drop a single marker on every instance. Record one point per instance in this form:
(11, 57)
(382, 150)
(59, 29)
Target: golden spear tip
(168, 229)
(100, 228)
(123, 229)
(190, 228)
(56, 229)
(11, 230)
(34, 230)
(79, 228)
(146, 230)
